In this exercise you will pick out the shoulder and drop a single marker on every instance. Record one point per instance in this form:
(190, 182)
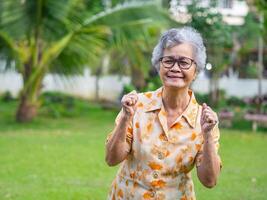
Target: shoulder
(149, 99)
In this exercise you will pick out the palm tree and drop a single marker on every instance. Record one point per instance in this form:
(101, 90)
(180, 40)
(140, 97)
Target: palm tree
(63, 36)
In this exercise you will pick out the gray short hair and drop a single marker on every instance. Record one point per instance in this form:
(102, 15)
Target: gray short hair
(175, 36)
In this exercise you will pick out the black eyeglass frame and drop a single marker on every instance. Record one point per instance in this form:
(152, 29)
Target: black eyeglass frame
(177, 60)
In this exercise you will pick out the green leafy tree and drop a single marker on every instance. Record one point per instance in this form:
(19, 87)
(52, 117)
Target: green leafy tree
(246, 35)
(218, 41)
(63, 36)
(259, 7)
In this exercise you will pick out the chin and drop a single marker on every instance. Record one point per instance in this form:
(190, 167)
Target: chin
(175, 84)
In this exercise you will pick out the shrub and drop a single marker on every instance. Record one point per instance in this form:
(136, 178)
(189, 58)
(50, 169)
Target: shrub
(235, 101)
(61, 105)
(7, 97)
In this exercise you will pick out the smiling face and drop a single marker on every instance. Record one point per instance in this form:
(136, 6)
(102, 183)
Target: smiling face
(176, 77)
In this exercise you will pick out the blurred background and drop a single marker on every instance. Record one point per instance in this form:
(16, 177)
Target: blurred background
(65, 64)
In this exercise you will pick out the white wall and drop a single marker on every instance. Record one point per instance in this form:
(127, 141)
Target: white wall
(111, 86)
(232, 86)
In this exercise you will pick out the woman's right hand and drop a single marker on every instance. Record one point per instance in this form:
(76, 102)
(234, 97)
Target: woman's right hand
(128, 102)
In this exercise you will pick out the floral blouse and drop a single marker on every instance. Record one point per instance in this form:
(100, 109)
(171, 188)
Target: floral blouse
(160, 159)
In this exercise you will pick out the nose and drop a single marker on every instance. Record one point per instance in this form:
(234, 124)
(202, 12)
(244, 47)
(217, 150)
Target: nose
(175, 67)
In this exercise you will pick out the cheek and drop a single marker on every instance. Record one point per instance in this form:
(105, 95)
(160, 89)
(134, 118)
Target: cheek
(161, 74)
(190, 75)
(189, 78)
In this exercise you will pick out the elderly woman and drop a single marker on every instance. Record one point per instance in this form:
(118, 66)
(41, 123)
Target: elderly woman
(160, 136)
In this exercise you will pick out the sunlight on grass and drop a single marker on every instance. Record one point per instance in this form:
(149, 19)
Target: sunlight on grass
(64, 159)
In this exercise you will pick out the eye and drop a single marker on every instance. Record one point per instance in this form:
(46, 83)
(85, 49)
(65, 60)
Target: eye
(168, 61)
(184, 61)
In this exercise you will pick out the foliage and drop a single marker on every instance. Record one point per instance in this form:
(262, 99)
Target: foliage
(216, 33)
(128, 88)
(217, 38)
(133, 55)
(58, 105)
(235, 101)
(247, 37)
(262, 9)
(7, 96)
(202, 98)
(153, 82)
(249, 32)
(65, 37)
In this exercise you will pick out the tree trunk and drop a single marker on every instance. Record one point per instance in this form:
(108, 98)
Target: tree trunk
(138, 79)
(214, 89)
(28, 104)
(97, 77)
(260, 67)
(26, 110)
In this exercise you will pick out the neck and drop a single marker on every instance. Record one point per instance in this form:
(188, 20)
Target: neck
(175, 99)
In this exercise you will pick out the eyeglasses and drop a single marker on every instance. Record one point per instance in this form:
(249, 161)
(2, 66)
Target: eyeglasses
(183, 62)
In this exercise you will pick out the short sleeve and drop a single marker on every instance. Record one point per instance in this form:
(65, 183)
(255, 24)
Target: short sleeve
(216, 137)
(129, 134)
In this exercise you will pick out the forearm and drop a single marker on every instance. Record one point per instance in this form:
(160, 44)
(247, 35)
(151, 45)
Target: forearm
(117, 147)
(209, 168)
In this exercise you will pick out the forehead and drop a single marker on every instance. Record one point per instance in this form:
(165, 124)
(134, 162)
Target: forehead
(183, 49)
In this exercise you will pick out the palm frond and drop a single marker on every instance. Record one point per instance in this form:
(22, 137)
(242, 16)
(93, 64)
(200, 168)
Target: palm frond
(9, 51)
(86, 47)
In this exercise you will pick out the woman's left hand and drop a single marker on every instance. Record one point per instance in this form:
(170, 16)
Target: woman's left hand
(208, 120)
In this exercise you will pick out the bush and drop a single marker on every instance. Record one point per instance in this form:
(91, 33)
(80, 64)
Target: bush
(61, 105)
(7, 97)
(128, 88)
(152, 84)
(202, 98)
(235, 101)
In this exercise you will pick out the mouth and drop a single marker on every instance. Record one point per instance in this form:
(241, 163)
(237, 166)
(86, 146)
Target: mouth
(175, 77)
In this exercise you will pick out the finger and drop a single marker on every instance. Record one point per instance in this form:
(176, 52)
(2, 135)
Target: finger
(129, 102)
(134, 101)
(202, 118)
(209, 116)
(133, 98)
(126, 101)
(208, 113)
(212, 114)
(209, 110)
(211, 120)
(204, 106)
(205, 116)
(128, 97)
(128, 107)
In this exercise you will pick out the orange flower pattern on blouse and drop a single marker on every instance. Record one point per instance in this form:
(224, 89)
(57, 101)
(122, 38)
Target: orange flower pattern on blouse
(160, 160)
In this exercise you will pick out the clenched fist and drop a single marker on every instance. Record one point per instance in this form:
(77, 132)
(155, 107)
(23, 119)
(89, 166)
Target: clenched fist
(128, 102)
(208, 119)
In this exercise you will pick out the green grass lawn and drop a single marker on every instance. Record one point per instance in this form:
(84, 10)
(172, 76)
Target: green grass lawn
(63, 158)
